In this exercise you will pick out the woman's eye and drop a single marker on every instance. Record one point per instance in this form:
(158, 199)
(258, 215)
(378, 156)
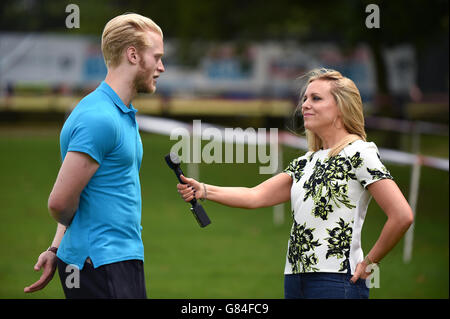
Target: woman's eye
(316, 98)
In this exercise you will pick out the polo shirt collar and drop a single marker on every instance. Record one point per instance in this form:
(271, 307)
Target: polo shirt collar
(115, 98)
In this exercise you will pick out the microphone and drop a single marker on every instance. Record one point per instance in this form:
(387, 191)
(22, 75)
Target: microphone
(173, 161)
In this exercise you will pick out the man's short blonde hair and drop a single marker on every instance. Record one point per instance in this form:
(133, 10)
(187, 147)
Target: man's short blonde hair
(123, 31)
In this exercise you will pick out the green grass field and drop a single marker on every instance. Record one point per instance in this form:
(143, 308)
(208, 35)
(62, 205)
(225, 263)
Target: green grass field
(240, 255)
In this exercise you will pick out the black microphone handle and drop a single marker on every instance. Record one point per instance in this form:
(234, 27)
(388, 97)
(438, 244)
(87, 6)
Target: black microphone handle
(179, 172)
(197, 209)
(199, 213)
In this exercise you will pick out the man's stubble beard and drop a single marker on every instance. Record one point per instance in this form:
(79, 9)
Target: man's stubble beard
(140, 82)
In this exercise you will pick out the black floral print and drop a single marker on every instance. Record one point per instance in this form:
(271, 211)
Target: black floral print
(327, 184)
(379, 174)
(356, 160)
(301, 254)
(296, 168)
(339, 243)
(322, 208)
(328, 207)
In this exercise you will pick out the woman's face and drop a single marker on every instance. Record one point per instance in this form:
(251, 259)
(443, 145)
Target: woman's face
(319, 107)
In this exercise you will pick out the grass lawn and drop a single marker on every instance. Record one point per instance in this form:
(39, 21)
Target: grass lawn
(240, 255)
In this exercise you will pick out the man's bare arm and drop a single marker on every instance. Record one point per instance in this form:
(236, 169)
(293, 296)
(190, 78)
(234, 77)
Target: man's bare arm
(76, 171)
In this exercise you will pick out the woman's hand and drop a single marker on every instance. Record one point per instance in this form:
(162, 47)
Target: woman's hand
(192, 189)
(361, 272)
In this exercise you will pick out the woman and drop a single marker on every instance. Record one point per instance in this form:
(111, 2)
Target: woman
(330, 188)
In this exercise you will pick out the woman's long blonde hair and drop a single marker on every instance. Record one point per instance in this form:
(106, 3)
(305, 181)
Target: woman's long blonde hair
(349, 103)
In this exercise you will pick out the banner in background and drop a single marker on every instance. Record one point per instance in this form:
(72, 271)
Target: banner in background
(269, 69)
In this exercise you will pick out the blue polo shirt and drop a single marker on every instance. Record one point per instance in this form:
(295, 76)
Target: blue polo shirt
(107, 225)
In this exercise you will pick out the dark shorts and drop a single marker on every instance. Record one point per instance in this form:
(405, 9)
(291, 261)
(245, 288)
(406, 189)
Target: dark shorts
(121, 280)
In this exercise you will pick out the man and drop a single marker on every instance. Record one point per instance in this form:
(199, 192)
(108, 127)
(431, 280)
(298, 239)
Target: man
(96, 198)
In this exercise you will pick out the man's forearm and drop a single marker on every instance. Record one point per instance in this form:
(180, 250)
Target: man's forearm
(62, 212)
(62, 217)
(60, 230)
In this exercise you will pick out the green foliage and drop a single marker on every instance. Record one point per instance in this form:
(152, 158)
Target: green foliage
(401, 21)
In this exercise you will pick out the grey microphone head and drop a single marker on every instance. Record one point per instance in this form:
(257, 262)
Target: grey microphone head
(174, 158)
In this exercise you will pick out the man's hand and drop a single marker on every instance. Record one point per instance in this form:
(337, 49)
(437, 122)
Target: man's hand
(46, 260)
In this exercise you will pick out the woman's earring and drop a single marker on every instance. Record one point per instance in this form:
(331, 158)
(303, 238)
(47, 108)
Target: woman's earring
(335, 124)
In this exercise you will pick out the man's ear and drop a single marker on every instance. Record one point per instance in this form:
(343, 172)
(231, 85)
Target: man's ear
(131, 55)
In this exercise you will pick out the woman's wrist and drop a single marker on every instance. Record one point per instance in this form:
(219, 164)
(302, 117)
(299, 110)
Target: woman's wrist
(369, 261)
(205, 192)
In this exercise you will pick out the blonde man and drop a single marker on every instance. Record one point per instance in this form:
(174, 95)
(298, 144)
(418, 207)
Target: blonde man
(329, 188)
(97, 190)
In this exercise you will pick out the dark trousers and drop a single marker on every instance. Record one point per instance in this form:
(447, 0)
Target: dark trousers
(120, 280)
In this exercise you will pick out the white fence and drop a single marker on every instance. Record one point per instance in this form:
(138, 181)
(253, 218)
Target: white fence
(167, 126)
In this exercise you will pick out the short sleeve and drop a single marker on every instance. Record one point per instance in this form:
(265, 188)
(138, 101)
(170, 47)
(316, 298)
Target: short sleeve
(93, 134)
(295, 169)
(368, 165)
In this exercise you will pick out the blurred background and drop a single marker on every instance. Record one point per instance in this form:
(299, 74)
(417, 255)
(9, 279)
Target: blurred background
(233, 64)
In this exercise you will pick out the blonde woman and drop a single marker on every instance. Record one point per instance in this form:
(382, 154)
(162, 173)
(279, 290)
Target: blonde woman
(329, 188)
(97, 191)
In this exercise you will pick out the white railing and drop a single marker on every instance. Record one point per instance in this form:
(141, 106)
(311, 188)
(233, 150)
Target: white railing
(166, 126)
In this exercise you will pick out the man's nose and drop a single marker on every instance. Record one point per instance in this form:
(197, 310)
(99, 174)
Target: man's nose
(161, 67)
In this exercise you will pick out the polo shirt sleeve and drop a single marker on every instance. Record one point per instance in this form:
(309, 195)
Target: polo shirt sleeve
(368, 165)
(94, 134)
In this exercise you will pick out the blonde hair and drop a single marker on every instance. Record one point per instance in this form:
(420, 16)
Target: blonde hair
(128, 29)
(349, 103)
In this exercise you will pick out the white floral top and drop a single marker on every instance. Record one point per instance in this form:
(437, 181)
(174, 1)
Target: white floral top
(329, 199)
